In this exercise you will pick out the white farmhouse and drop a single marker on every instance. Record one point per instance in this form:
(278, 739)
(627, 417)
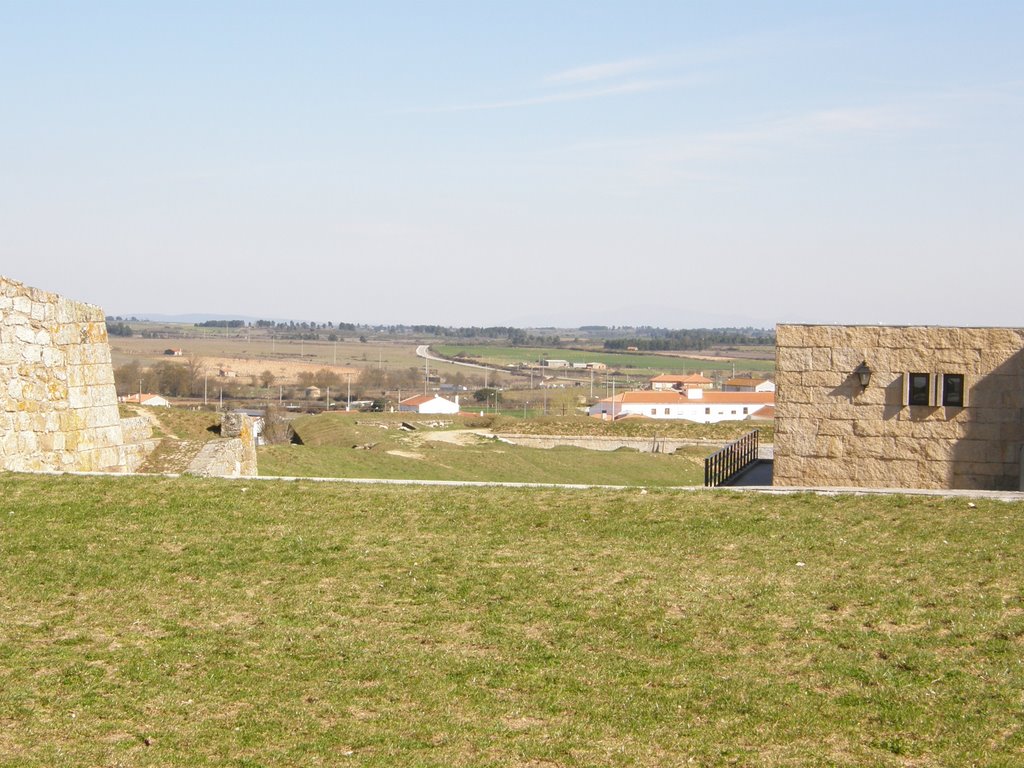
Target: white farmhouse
(429, 404)
(693, 405)
(145, 398)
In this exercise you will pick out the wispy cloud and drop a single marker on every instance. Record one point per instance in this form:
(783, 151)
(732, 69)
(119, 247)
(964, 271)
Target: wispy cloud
(770, 131)
(582, 94)
(584, 83)
(595, 72)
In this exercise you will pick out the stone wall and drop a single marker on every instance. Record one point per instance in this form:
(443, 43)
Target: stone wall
(234, 455)
(138, 441)
(830, 431)
(58, 408)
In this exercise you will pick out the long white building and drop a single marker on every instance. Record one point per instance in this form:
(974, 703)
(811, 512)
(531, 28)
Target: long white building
(693, 405)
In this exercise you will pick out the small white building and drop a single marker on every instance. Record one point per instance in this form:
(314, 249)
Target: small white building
(748, 385)
(695, 405)
(429, 404)
(158, 401)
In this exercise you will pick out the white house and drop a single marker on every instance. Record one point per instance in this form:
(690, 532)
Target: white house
(429, 404)
(748, 385)
(147, 399)
(695, 404)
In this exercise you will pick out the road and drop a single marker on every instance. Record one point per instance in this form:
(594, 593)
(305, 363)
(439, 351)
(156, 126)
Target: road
(423, 350)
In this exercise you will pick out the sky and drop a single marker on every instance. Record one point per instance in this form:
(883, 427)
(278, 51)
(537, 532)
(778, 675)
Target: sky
(528, 163)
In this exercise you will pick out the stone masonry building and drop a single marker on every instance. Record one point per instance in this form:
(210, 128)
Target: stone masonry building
(942, 407)
(58, 407)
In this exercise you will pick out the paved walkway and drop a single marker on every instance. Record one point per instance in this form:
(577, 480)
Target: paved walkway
(757, 473)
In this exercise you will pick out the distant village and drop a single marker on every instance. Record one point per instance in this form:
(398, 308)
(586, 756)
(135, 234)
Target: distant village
(691, 397)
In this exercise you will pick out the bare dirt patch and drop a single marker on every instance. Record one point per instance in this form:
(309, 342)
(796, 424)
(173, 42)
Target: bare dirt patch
(454, 436)
(406, 454)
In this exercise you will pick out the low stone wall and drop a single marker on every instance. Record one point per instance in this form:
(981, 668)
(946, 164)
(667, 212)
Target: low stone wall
(601, 443)
(220, 458)
(138, 441)
(58, 407)
(234, 455)
(136, 429)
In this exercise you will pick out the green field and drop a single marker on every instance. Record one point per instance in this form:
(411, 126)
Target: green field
(160, 622)
(373, 446)
(640, 363)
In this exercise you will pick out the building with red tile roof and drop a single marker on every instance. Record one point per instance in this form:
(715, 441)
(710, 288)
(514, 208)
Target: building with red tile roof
(429, 404)
(693, 405)
(675, 381)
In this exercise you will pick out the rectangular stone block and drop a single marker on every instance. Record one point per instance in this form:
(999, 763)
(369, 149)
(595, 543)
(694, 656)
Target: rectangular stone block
(794, 360)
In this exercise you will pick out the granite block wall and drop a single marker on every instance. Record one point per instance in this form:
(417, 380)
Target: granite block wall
(831, 431)
(58, 407)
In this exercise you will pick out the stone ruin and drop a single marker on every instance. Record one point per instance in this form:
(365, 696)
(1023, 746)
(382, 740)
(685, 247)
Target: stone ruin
(234, 455)
(58, 406)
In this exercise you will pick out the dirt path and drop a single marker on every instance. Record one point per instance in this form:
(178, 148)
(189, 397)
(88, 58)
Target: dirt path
(154, 421)
(453, 436)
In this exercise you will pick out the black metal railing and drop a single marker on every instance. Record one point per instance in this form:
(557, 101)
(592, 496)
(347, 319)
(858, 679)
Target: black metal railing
(726, 462)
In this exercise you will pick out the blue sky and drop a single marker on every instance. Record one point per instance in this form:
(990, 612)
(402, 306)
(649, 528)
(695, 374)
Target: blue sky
(666, 163)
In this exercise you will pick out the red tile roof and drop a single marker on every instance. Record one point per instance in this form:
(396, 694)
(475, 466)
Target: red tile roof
(669, 397)
(690, 378)
(417, 400)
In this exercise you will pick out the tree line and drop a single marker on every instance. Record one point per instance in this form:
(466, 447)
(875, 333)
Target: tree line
(663, 340)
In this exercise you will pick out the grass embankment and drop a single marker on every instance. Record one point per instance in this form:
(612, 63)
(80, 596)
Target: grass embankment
(157, 622)
(586, 426)
(374, 446)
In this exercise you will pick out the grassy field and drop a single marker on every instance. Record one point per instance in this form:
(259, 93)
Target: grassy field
(586, 426)
(159, 622)
(283, 358)
(373, 446)
(642, 364)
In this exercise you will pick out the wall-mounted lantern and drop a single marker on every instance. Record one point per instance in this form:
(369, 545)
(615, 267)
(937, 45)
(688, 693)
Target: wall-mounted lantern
(863, 374)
